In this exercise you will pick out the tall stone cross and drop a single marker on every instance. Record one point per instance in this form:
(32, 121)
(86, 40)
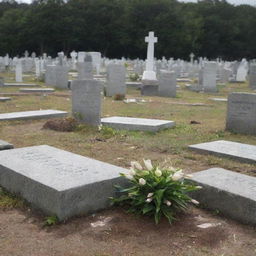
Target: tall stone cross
(149, 73)
(192, 55)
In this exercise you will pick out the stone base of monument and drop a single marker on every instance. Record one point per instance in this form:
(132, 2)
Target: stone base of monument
(231, 193)
(5, 145)
(58, 182)
(37, 114)
(136, 124)
(149, 88)
(20, 85)
(238, 151)
(37, 90)
(134, 84)
(3, 99)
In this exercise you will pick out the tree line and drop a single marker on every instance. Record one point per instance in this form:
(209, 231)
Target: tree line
(116, 28)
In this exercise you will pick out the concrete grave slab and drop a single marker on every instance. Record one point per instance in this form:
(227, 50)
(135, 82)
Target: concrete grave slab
(43, 90)
(233, 194)
(3, 99)
(219, 99)
(238, 151)
(59, 182)
(139, 124)
(37, 114)
(20, 85)
(5, 145)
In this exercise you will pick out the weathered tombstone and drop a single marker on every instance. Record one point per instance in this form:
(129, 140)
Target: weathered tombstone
(18, 72)
(59, 182)
(242, 71)
(81, 56)
(85, 68)
(115, 80)
(241, 117)
(50, 75)
(86, 101)
(96, 61)
(1, 81)
(209, 77)
(167, 84)
(252, 76)
(61, 74)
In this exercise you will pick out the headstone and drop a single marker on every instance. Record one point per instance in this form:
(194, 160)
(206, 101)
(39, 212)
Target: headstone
(86, 101)
(96, 61)
(167, 84)
(149, 73)
(242, 71)
(37, 114)
(252, 76)
(58, 182)
(115, 80)
(209, 77)
(5, 145)
(85, 68)
(238, 151)
(3, 99)
(61, 77)
(18, 72)
(232, 194)
(139, 124)
(1, 81)
(50, 75)
(241, 117)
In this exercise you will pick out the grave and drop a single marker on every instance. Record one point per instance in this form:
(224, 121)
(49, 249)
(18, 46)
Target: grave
(241, 117)
(231, 193)
(238, 151)
(252, 76)
(209, 77)
(58, 182)
(20, 85)
(167, 84)
(139, 124)
(85, 68)
(3, 99)
(133, 84)
(86, 101)
(5, 145)
(115, 80)
(43, 90)
(219, 99)
(37, 114)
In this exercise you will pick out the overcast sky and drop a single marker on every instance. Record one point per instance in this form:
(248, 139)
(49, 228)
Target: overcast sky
(252, 2)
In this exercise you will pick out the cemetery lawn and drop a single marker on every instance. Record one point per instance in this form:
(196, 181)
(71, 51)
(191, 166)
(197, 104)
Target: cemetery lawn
(124, 234)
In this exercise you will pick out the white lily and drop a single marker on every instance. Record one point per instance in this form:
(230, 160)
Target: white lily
(148, 164)
(136, 165)
(178, 175)
(142, 181)
(167, 202)
(150, 194)
(149, 200)
(132, 171)
(194, 202)
(158, 172)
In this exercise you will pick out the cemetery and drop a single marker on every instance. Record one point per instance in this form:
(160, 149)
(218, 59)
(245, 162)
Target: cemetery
(107, 155)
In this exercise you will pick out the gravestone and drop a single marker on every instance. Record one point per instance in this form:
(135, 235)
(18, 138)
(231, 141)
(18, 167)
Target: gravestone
(3, 99)
(115, 80)
(252, 76)
(167, 84)
(242, 71)
(5, 145)
(232, 194)
(241, 117)
(18, 72)
(136, 124)
(58, 182)
(85, 68)
(1, 81)
(86, 101)
(37, 114)
(209, 77)
(238, 151)
(50, 75)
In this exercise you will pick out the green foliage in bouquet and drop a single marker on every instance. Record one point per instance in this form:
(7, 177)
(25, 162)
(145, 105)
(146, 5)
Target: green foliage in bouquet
(156, 191)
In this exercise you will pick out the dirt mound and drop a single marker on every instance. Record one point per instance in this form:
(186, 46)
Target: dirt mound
(68, 124)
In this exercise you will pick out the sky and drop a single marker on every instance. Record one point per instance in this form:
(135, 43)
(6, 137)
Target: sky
(251, 2)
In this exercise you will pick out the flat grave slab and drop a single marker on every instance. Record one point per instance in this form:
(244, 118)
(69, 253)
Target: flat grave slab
(134, 84)
(20, 85)
(3, 99)
(59, 182)
(219, 99)
(139, 124)
(46, 90)
(238, 151)
(37, 114)
(233, 194)
(5, 145)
